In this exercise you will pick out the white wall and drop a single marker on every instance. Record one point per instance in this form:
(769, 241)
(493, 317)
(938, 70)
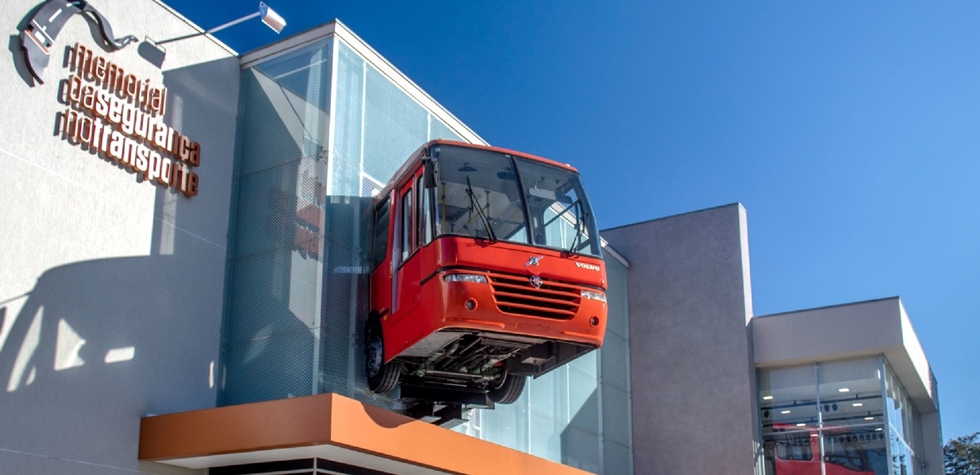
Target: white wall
(96, 264)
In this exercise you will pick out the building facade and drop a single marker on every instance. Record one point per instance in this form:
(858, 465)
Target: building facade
(185, 286)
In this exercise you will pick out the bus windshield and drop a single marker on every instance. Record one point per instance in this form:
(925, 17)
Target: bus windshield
(479, 193)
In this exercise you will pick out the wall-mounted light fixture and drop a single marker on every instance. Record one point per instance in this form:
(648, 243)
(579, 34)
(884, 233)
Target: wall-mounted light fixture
(155, 52)
(269, 17)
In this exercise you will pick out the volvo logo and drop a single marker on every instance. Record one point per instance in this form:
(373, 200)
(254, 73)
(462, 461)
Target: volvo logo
(533, 261)
(536, 281)
(588, 266)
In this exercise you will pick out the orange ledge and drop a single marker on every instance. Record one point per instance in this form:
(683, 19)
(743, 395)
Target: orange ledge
(327, 426)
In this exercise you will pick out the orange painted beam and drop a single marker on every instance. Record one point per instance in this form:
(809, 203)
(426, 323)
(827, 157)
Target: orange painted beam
(334, 420)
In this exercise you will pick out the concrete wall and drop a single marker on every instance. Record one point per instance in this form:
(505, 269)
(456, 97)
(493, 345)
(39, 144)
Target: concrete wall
(110, 288)
(838, 332)
(692, 375)
(847, 331)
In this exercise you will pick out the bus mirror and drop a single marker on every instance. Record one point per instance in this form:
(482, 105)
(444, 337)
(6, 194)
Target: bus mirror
(429, 173)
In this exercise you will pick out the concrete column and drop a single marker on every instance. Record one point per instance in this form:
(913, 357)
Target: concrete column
(932, 444)
(694, 408)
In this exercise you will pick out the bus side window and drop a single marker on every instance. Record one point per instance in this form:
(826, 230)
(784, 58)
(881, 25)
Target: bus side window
(425, 214)
(794, 447)
(406, 225)
(380, 248)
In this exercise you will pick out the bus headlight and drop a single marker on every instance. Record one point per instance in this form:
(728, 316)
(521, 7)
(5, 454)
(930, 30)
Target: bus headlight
(475, 278)
(588, 294)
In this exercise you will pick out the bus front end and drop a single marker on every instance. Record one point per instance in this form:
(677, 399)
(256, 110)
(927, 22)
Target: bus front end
(504, 278)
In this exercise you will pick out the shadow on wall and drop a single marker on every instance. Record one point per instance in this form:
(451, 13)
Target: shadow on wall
(97, 344)
(92, 340)
(274, 252)
(202, 105)
(277, 342)
(297, 271)
(580, 447)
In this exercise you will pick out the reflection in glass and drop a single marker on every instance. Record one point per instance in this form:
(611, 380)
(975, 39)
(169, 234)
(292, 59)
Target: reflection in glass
(902, 423)
(788, 399)
(825, 418)
(856, 450)
(560, 214)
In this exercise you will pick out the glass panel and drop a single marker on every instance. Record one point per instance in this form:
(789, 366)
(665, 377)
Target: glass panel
(438, 130)
(583, 401)
(549, 395)
(616, 458)
(617, 436)
(394, 126)
(348, 114)
(478, 195)
(789, 415)
(618, 298)
(824, 419)
(507, 425)
(902, 458)
(615, 361)
(850, 393)
(788, 399)
(902, 425)
(545, 437)
(858, 450)
(615, 415)
(581, 450)
(381, 232)
(560, 213)
(276, 242)
(896, 403)
(285, 107)
(852, 412)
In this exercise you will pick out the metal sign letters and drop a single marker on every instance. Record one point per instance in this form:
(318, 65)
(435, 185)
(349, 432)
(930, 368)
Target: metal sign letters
(38, 37)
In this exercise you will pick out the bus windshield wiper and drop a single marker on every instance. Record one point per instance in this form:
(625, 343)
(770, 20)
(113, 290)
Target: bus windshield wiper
(474, 203)
(580, 217)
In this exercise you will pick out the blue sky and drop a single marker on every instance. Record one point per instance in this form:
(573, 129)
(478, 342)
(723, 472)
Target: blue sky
(850, 131)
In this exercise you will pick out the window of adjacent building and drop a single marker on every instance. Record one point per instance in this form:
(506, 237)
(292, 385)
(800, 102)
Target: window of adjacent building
(827, 418)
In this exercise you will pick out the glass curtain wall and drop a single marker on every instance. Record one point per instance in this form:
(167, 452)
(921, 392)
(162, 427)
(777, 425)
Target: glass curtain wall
(321, 131)
(834, 419)
(903, 426)
(275, 251)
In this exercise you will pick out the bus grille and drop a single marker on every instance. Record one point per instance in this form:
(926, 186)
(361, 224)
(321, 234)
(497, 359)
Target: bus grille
(516, 295)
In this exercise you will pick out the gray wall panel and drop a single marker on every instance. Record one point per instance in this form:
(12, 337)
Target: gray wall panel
(691, 367)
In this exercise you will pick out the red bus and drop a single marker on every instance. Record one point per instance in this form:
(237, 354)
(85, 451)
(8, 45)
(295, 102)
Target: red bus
(487, 269)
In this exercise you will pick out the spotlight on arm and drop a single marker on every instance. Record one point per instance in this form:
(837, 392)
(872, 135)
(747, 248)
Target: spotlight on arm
(269, 17)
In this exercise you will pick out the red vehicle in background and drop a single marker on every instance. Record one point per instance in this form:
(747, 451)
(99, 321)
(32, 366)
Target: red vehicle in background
(487, 269)
(795, 451)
